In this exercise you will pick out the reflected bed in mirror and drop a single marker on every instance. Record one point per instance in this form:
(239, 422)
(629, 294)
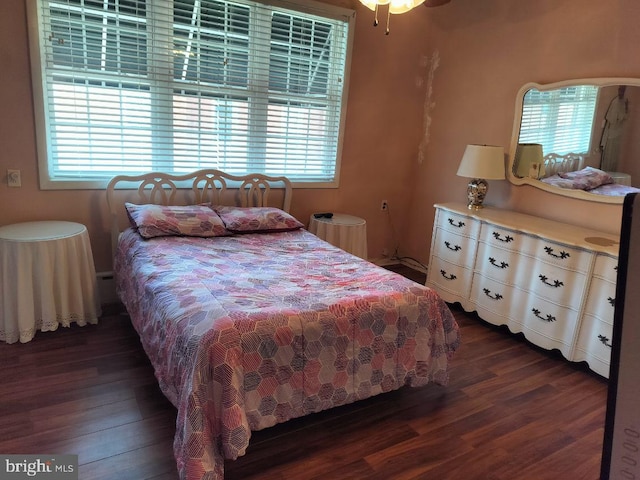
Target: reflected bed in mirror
(576, 138)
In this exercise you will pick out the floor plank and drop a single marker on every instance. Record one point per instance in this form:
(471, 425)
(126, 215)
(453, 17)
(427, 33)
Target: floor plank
(510, 411)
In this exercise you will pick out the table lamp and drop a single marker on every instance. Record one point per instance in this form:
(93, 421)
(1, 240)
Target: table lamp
(481, 162)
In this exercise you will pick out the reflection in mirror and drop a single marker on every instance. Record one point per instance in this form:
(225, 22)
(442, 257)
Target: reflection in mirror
(576, 138)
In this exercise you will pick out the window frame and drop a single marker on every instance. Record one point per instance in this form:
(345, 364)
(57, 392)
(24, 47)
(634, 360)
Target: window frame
(41, 112)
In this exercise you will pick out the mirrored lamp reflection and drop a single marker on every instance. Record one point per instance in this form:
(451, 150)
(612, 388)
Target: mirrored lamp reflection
(481, 163)
(528, 160)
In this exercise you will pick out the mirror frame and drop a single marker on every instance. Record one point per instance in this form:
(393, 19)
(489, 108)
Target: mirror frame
(565, 192)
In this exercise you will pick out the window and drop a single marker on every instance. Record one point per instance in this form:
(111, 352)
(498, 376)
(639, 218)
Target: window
(561, 120)
(129, 86)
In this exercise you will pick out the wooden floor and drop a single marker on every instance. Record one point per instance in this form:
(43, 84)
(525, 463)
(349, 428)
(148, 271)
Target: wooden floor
(511, 411)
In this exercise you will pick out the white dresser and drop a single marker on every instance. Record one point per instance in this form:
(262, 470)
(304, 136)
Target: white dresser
(554, 283)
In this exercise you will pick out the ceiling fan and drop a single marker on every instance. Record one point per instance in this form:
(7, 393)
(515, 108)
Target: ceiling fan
(398, 6)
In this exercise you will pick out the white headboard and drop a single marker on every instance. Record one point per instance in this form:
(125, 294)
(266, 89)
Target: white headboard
(554, 163)
(202, 186)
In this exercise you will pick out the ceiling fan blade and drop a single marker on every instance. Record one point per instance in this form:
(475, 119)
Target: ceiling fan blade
(435, 3)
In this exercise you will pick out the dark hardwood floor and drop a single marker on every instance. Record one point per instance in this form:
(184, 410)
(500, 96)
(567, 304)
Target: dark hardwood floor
(511, 411)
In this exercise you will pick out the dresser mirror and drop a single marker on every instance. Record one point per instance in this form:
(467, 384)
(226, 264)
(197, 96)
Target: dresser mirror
(578, 138)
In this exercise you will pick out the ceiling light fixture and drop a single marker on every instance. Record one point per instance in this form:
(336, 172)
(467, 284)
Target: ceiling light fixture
(395, 7)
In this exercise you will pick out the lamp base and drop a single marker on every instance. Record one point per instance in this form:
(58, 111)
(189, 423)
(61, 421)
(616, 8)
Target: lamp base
(476, 191)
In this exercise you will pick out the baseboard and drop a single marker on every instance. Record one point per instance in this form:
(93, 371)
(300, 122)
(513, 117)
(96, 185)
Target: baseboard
(384, 261)
(409, 262)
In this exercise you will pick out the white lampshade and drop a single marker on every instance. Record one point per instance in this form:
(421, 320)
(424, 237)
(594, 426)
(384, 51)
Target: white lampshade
(395, 6)
(528, 154)
(482, 161)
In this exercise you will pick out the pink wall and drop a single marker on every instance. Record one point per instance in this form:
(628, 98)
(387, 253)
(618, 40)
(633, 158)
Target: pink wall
(479, 54)
(488, 49)
(384, 115)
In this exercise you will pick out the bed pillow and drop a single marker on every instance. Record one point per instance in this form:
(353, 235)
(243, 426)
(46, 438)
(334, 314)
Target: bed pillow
(558, 181)
(257, 219)
(587, 178)
(162, 220)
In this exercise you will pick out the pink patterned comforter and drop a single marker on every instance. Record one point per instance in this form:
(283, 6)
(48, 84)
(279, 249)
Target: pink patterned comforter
(252, 330)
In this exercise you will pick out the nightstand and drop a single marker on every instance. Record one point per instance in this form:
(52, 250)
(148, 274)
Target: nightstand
(347, 232)
(47, 278)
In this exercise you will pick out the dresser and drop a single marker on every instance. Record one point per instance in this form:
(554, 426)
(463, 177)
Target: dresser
(552, 282)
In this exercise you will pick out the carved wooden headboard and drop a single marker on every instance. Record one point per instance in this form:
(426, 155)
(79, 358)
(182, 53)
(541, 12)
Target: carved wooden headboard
(202, 186)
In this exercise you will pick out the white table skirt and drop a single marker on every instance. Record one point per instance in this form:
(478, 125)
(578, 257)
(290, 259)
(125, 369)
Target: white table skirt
(344, 231)
(47, 278)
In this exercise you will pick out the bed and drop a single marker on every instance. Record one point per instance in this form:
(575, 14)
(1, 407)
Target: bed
(255, 322)
(567, 171)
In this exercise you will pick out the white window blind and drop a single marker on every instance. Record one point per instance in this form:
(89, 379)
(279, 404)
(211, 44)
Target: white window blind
(131, 86)
(561, 120)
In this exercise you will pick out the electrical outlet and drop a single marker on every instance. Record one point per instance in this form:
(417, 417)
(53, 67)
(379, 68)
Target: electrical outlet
(13, 178)
(384, 206)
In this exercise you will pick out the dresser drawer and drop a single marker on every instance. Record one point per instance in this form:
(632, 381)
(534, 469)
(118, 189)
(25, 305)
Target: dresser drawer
(554, 284)
(453, 248)
(496, 302)
(543, 250)
(564, 287)
(601, 300)
(503, 264)
(606, 267)
(457, 223)
(594, 344)
(549, 325)
(449, 280)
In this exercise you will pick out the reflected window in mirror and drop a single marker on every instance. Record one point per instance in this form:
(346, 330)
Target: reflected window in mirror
(560, 120)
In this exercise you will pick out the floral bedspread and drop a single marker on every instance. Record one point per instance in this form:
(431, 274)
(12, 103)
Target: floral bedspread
(252, 330)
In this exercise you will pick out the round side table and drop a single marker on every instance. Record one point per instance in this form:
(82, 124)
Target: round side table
(47, 278)
(347, 232)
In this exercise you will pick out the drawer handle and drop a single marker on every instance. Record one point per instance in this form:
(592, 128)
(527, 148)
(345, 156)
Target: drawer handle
(548, 318)
(505, 239)
(455, 248)
(447, 277)
(458, 224)
(555, 284)
(612, 301)
(604, 340)
(487, 292)
(493, 262)
(562, 255)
